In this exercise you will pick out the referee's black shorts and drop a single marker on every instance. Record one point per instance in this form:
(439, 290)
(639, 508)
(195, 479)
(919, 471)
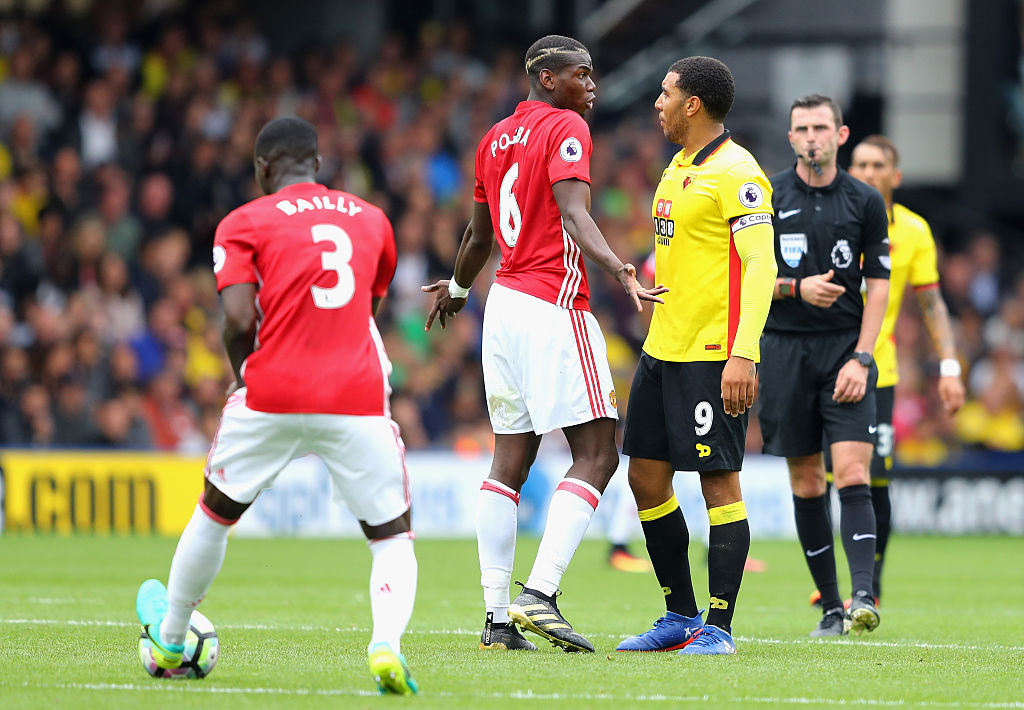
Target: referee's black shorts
(881, 459)
(795, 406)
(676, 414)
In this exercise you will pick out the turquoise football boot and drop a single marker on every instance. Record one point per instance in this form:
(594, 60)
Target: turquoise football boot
(390, 671)
(151, 607)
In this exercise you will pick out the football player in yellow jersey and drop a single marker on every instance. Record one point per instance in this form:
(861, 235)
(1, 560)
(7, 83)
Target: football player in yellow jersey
(696, 377)
(912, 252)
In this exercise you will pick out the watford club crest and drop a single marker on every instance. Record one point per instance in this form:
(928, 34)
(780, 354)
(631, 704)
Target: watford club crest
(687, 180)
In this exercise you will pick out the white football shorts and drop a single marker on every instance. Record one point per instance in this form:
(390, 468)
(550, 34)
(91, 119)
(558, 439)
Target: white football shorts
(545, 367)
(364, 455)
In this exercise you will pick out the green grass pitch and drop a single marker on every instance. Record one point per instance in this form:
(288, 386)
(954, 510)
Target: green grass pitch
(293, 620)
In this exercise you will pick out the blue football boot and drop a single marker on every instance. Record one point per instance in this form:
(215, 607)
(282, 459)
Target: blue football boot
(669, 633)
(713, 641)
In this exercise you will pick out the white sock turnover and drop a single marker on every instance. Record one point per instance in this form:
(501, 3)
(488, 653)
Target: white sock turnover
(497, 511)
(572, 507)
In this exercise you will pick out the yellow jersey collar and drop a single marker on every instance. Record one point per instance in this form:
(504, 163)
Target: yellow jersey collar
(703, 154)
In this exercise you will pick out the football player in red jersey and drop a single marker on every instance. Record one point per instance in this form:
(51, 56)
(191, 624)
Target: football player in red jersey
(301, 273)
(544, 360)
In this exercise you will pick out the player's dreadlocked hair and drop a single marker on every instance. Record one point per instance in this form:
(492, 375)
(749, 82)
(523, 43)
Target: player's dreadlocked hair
(709, 80)
(552, 52)
(813, 100)
(287, 137)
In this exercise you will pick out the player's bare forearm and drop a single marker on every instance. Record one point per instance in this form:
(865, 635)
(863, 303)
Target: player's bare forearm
(573, 198)
(874, 313)
(476, 246)
(582, 229)
(239, 346)
(936, 320)
(474, 251)
(240, 321)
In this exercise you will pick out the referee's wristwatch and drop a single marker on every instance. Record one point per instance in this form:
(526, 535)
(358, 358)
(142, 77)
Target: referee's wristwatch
(864, 358)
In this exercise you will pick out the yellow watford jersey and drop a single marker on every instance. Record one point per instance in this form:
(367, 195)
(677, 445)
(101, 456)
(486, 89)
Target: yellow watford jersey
(912, 251)
(703, 206)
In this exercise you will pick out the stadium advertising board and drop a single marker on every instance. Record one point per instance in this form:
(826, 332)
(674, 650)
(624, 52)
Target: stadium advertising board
(958, 502)
(445, 488)
(89, 492)
(148, 493)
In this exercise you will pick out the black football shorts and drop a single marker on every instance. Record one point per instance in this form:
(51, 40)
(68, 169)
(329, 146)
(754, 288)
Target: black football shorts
(795, 406)
(881, 458)
(675, 414)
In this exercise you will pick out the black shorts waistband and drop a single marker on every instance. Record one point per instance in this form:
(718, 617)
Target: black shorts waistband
(845, 332)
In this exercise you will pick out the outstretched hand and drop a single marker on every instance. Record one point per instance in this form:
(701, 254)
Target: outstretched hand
(444, 306)
(627, 277)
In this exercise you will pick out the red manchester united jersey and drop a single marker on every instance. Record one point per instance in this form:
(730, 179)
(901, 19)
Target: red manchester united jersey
(318, 257)
(517, 162)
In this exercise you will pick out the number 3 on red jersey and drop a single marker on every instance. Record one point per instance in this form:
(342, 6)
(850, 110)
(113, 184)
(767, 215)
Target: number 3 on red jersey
(337, 260)
(510, 219)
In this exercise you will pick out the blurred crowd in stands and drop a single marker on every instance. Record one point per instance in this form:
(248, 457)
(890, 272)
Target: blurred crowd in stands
(123, 142)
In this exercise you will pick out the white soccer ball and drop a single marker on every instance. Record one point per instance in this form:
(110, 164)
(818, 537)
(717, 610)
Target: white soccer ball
(201, 650)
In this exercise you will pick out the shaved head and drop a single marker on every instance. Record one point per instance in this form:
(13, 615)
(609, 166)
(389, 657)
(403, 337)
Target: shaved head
(287, 138)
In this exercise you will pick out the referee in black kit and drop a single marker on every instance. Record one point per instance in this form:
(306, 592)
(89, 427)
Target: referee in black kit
(817, 371)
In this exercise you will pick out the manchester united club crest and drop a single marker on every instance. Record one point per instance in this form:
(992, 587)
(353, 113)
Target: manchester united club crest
(612, 400)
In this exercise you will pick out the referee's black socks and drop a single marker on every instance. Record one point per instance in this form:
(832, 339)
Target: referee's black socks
(882, 504)
(814, 528)
(857, 528)
(728, 545)
(667, 542)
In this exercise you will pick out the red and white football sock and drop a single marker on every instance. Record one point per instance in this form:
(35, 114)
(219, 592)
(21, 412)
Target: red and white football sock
(392, 588)
(572, 507)
(497, 510)
(196, 562)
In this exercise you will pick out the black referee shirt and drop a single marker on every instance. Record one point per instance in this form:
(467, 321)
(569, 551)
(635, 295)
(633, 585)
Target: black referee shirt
(822, 228)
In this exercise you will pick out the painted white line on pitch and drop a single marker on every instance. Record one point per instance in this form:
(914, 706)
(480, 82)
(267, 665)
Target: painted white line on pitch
(175, 685)
(878, 644)
(476, 632)
(184, 687)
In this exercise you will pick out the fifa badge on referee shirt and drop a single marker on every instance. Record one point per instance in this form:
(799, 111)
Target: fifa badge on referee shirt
(793, 248)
